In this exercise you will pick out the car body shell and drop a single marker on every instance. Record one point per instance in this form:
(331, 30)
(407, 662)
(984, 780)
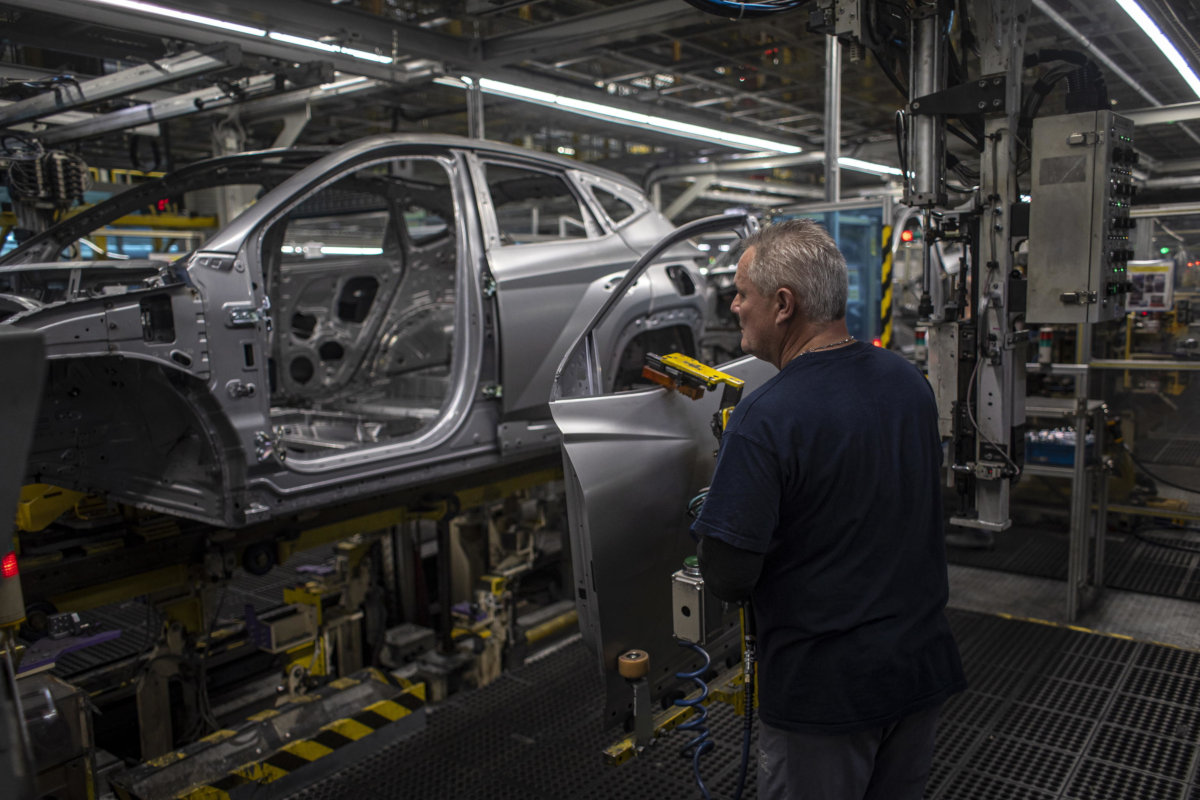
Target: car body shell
(234, 384)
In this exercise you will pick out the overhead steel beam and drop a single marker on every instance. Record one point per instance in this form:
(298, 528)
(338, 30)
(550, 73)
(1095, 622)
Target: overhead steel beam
(66, 95)
(738, 198)
(1164, 115)
(364, 36)
(590, 30)
(69, 118)
(208, 99)
(1166, 210)
(1179, 165)
(1173, 182)
(639, 106)
(289, 101)
(733, 164)
(769, 187)
(353, 27)
(20, 72)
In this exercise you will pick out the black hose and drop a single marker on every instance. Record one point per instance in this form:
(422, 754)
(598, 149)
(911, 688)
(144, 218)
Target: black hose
(1145, 469)
(1138, 533)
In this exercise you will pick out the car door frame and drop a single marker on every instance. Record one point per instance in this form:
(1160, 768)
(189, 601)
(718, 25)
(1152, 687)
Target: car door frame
(632, 460)
(471, 320)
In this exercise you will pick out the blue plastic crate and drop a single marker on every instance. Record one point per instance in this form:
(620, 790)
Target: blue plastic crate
(1055, 448)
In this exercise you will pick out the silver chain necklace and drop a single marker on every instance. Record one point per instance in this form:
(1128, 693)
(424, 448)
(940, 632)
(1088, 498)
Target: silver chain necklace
(839, 342)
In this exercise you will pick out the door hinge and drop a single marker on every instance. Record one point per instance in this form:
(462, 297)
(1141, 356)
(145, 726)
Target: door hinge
(242, 317)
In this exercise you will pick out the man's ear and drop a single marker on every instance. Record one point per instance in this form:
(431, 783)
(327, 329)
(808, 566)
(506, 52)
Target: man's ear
(785, 304)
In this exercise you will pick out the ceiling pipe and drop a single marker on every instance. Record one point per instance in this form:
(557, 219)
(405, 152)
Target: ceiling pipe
(1164, 115)
(735, 164)
(769, 187)
(833, 118)
(1174, 182)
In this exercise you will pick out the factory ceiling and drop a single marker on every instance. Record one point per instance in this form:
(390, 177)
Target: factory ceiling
(761, 77)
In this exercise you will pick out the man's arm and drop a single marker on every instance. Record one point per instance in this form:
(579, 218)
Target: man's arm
(729, 572)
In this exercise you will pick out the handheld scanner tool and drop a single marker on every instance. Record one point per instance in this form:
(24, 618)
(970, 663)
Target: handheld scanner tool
(691, 378)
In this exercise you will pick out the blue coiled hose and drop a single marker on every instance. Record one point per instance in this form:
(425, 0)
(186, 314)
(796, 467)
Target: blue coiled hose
(699, 744)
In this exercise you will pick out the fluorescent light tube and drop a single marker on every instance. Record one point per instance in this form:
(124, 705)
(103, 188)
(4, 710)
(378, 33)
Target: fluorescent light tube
(867, 166)
(351, 251)
(622, 116)
(366, 55)
(176, 14)
(512, 90)
(329, 250)
(1162, 42)
(300, 41)
(343, 83)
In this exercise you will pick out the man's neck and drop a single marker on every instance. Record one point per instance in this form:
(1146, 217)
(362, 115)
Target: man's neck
(810, 337)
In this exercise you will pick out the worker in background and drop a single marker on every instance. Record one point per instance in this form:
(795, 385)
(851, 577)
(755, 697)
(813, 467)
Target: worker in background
(825, 511)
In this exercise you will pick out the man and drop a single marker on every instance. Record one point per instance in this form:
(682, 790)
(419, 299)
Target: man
(825, 511)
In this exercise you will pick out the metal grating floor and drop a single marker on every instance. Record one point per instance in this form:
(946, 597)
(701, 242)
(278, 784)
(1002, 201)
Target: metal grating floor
(1179, 452)
(1052, 714)
(1132, 564)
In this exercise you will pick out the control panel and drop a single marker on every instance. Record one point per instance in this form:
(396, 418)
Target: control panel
(1079, 224)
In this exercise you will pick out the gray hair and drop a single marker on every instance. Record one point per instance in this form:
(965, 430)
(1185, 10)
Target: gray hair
(801, 255)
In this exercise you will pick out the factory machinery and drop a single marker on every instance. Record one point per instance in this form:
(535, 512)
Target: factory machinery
(223, 661)
(156, 657)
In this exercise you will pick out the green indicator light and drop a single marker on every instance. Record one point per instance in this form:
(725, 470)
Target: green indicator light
(1164, 250)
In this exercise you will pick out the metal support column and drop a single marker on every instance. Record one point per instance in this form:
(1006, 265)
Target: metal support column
(1080, 503)
(833, 118)
(927, 158)
(474, 109)
(1089, 484)
(228, 136)
(293, 125)
(999, 390)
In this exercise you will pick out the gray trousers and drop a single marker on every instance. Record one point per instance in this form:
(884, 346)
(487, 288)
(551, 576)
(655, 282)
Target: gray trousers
(888, 763)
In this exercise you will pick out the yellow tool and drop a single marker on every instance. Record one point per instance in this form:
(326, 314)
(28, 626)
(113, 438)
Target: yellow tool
(691, 378)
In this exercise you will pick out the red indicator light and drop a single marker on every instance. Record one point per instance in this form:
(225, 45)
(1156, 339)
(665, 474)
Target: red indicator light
(162, 204)
(877, 342)
(906, 236)
(8, 567)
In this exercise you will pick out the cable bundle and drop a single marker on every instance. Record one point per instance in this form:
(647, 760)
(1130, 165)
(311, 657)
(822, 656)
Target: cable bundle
(761, 8)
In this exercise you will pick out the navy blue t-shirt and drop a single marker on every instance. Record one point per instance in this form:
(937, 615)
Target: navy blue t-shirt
(831, 469)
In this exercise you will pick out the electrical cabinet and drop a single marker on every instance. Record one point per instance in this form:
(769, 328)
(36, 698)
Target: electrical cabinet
(1079, 223)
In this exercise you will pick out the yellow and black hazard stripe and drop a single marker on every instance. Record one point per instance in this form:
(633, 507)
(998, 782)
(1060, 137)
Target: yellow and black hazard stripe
(297, 755)
(885, 290)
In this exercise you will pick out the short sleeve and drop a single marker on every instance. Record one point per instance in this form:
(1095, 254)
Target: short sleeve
(742, 507)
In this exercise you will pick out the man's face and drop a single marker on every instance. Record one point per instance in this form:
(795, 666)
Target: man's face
(755, 312)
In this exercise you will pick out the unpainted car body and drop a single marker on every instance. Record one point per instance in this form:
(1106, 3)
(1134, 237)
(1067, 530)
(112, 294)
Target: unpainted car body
(381, 316)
